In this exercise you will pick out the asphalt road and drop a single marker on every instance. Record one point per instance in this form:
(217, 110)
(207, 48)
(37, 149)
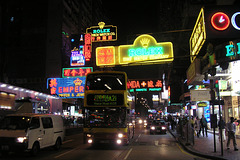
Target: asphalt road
(143, 147)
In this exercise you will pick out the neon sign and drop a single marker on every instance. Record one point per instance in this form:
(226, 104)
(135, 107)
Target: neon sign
(198, 36)
(76, 72)
(145, 85)
(105, 56)
(87, 51)
(77, 58)
(232, 50)
(67, 87)
(145, 49)
(220, 21)
(103, 32)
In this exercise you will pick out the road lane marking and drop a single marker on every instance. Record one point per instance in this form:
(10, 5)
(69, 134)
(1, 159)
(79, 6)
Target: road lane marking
(128, 154)
(64, 153)
(156, 143)
(188, 153)
(67, 141)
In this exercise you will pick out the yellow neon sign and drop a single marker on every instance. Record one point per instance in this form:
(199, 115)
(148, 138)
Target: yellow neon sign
(198, 36)
(145, 49)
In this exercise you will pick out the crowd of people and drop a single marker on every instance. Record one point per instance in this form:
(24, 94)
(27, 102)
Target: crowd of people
(200, 126)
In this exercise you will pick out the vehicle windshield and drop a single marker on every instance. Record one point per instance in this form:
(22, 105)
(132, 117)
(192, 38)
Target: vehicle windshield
(106, 82)
(15, 122)
(103, 117)
(158, 122)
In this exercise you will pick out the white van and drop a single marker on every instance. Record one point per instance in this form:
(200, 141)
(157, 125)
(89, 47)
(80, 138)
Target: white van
(31, 132)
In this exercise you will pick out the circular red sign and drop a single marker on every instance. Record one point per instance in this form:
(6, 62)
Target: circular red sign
(220, 21)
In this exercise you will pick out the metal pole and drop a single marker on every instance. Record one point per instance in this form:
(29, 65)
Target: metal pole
(214, 134)
(220, 115)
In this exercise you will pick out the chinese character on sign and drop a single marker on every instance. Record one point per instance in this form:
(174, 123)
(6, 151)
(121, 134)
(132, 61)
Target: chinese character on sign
(53, 82)
(53, 90)
(87, 47)
(150, 84)
(158, 83)
(67, 72)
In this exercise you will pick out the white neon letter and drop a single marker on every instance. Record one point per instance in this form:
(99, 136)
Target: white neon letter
(233, 20)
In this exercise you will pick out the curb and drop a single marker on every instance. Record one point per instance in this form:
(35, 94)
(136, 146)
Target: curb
(188, 149)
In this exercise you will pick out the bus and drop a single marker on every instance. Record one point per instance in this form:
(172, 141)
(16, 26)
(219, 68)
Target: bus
(107, 114)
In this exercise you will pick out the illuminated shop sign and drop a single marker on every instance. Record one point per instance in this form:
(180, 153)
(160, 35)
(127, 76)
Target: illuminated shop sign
(76, 72)
(87, 51)
(222, 22)
(198, 36)
(105, 99)
(232, 49)
(67, 87)
(214, 24)
(77, 58)
(154, 85)
(145, 49)
(103, 32)
(105, 56)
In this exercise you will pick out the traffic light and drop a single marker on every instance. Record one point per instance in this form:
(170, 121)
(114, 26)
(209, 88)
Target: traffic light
(216, 85)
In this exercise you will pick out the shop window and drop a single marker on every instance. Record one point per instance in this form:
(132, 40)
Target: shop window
(230, 112)
(236, 112)
(239, 111)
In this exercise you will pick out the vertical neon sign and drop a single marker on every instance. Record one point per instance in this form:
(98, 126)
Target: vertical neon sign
(87, 46)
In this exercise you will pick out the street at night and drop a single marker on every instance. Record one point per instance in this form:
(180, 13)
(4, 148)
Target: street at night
(143, 146)
(119, 80)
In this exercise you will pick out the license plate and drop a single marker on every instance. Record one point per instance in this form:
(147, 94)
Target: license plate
(5, 147)
(158, 131)
(104, 141)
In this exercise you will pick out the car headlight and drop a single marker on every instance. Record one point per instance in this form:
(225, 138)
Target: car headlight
(145, 121)
(120, 135)
(21, 139)
(152, 128)
(89, 135)
(163, 128)
(140, 121)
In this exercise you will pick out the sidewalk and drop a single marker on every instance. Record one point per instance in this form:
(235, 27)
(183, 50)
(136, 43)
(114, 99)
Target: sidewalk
(204, 147)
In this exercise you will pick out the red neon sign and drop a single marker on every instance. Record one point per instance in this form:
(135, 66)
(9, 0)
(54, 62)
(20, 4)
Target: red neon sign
(105, 56)
(152, 83)
(87, 51)
(76, 72)
(220, 21)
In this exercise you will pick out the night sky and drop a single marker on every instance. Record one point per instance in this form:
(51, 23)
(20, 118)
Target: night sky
(131, 17)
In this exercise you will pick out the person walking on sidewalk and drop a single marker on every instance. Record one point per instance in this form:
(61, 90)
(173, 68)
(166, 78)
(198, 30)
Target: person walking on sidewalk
(231, 129)
(197, 126)
(203, 125)
(222, 125)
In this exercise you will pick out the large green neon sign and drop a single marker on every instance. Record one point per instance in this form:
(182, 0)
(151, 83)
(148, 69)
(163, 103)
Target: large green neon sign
(145, 49)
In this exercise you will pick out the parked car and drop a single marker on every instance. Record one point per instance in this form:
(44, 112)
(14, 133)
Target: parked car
(31, 132)
(158, 126)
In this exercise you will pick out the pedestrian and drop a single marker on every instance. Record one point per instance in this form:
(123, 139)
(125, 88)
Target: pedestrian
(222, 125)
(197, 126)
(231, 129)
(204, 125)
(192, 121)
